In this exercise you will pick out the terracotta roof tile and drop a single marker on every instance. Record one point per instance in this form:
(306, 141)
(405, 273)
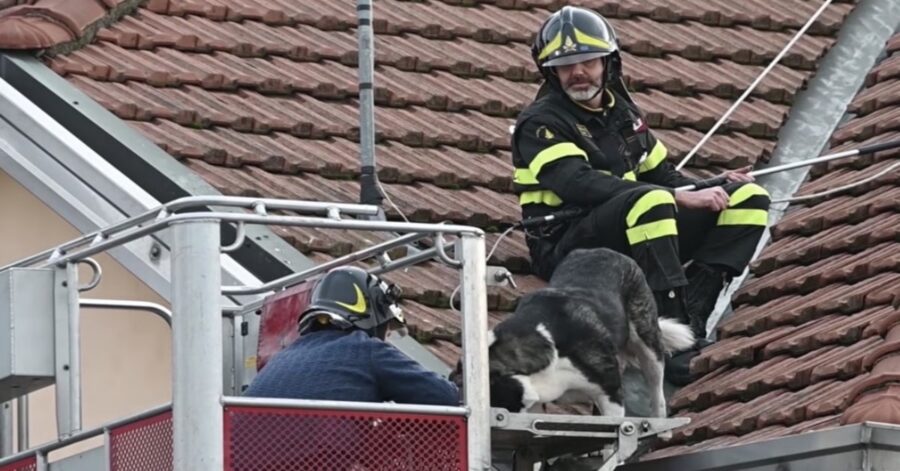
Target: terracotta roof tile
(42, 24)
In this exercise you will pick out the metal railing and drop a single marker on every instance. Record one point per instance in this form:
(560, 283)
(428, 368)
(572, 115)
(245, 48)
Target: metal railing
(197, 307)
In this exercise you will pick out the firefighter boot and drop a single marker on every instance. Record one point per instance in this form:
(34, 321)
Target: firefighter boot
(670, 303)
(704, 285)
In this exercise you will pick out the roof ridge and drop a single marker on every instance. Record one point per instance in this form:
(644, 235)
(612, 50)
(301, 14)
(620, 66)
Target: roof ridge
(59, 27)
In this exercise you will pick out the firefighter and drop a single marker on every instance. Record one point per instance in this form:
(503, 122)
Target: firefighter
(341, 354)
(583, 145)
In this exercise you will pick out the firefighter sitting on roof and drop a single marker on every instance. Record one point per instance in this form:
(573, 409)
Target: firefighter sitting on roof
(583, 144)
(341, 354)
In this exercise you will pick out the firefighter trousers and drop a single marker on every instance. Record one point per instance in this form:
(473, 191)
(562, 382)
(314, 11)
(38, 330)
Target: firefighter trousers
(644, 224)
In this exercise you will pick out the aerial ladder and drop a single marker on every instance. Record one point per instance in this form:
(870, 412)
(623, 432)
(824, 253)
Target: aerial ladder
(208, 425)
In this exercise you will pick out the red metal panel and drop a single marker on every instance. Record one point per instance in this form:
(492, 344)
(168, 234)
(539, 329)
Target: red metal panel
(142, 445)
(25, 464)
(278, 326)
(321, 440)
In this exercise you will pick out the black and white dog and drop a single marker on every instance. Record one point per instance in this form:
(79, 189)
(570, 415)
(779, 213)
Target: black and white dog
(571, 340)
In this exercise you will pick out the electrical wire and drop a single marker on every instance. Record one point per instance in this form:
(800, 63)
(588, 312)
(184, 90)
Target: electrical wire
(838, 189)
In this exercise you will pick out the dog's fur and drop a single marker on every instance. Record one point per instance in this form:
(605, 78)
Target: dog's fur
(573, 339)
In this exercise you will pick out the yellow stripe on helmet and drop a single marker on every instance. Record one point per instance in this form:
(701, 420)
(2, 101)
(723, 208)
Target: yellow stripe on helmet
(551, 46)
(584, 38)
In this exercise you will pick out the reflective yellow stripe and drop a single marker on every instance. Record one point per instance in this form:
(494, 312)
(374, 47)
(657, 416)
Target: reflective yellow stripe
(551, 47)
(630, 176)
(656, 157)
(523, 176)
(743, 217)
(647, 202)
(651, 230)
(745, 192)
(554, 152)
(540, 197)
(584, 38)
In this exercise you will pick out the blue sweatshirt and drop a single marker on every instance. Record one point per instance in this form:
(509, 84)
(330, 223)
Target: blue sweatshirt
(339, 365)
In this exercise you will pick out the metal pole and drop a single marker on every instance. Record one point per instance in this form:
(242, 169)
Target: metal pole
(22, 418)
(753, 85)
(197, 347)
(74, 347)
(6, 429)
(368, 187)
(475, 350)
(870, 149)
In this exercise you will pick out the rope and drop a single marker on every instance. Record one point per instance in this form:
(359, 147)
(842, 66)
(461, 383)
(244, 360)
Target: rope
(753, 85)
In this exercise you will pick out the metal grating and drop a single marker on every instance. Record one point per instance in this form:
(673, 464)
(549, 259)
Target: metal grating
(25, 464)
(143, 445)
(271, 439)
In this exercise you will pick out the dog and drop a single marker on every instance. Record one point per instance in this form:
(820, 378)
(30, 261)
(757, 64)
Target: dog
(571, 341)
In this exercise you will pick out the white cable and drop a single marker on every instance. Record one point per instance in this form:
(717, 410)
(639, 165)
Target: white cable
(490, 254)
(838, 189)
(389, 200)
(753, 85)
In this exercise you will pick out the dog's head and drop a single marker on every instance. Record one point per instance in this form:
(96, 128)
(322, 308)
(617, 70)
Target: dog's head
(512, 357)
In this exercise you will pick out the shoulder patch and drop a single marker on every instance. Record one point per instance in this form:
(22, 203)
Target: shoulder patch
(544, 132)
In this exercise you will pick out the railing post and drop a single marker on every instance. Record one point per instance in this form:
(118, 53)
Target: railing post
(67, 325)
(6, 429)
(475, 350)
(197, 346)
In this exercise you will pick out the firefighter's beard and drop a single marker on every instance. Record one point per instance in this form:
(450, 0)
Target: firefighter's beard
(583, 94)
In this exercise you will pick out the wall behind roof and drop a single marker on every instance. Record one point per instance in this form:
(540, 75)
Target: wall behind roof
(126, 355)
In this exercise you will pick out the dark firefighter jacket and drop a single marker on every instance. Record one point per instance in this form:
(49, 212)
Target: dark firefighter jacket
(568, 156)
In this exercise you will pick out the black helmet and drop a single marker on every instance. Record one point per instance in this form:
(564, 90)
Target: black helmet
(573, 35)
(350, 297)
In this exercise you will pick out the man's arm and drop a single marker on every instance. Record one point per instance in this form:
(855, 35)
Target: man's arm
(656, 169)
(400, 379)
(559, 165)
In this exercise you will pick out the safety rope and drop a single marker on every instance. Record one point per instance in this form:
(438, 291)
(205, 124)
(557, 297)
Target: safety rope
(753, 85)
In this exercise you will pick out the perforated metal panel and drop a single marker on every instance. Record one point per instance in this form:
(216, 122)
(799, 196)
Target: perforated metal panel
(268, 439)
(26, 464)
(144, 445)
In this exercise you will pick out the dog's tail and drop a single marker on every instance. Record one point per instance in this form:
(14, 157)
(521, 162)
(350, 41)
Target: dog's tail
(675, 335)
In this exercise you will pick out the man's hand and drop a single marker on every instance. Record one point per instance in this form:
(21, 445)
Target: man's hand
(740, 175)
(713, 199)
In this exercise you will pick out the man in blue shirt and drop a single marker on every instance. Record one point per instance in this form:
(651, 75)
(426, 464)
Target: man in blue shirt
(341, 354)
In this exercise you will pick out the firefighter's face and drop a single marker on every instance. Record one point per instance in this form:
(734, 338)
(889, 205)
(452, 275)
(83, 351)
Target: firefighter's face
(581, 81)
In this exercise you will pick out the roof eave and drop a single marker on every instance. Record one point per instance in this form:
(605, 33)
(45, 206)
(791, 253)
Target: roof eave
(867, 447)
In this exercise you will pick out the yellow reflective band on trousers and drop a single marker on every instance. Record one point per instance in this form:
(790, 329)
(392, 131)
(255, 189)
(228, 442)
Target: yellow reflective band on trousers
(647, 202)
(745, 192)
(657, 156)
(553, 153)
(540, 197)
(651, 230)
(743, 217)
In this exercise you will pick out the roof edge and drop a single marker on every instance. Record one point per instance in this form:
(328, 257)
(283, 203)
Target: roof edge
(865, 446)
(59, 27)
(264, 253)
